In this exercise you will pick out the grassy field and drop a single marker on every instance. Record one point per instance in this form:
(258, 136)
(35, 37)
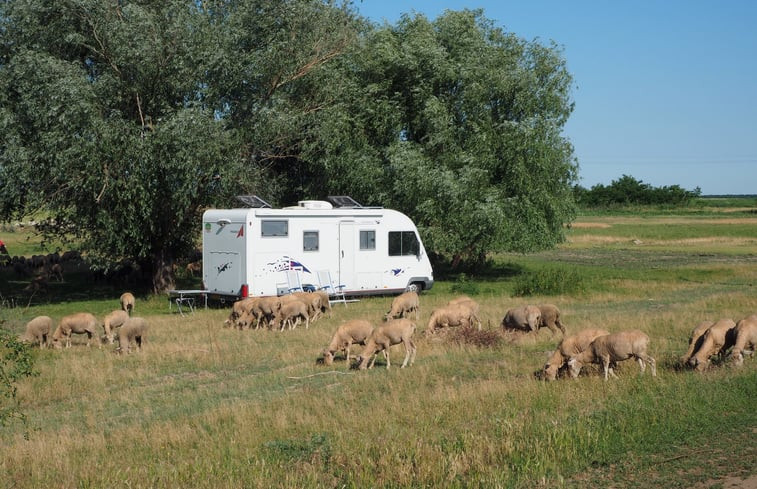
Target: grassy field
(207, 407)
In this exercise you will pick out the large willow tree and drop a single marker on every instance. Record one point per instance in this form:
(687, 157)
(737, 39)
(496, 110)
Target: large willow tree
(459, 124)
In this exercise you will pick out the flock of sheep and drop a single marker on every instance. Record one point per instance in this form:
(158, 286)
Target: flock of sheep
(589, 346)
(585, 347)
(130, 329)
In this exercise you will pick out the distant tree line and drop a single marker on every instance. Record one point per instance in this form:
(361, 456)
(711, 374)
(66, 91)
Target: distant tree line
(629, 191)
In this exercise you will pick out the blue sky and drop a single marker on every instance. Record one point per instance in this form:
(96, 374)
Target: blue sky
(665, 91)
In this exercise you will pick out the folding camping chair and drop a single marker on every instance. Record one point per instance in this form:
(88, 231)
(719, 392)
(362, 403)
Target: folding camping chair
(326, 284)
(294, 283)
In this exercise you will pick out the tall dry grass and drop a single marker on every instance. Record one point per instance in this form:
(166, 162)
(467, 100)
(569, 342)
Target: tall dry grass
(204, 406)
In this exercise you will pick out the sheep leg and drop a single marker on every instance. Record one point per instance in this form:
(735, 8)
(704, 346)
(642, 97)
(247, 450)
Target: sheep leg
(642, 365)
(386, 356)
(652, 364)
(409, 353)
(373, 359)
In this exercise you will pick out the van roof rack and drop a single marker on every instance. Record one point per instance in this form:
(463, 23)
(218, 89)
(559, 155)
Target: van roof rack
(343, 201)
(254, 201)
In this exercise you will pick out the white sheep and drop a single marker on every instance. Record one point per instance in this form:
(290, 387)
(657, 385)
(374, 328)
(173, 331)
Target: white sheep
(695, 340)
(134, 329)
(127, 302)
(312, 300)
(522, 318)
(746, 339)
(112, 321)
(325, 302)
(291, 312)
(450, 316)
(38, 330)
(568, 347)
(716, 341)
(354, 332)
(80, 323)
(613, 348)
(403, 305)
(393, 332)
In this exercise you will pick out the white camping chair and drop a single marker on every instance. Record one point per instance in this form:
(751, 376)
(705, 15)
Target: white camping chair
(335, 291)
(294, 283)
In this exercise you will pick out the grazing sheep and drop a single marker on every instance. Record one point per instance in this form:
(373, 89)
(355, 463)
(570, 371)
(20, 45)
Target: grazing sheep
(56, 271)
(80, 323)
(393, 332)
(37, 330)
(312, 300)
(522, 318)
(614, 347)
(695, 340)
(471, 304)
(238, 309)
(354, 332)
(550, 318)
(716, 340)
(454, 315)
(112, 321)
(265, 310)
(568, 347)
(291, 313)
(746, 339)
(134, 329)
(127, 302)
(403, 305)
(325, 302)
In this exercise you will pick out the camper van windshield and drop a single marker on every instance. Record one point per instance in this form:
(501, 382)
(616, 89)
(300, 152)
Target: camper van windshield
(274, 228)
(403, 243)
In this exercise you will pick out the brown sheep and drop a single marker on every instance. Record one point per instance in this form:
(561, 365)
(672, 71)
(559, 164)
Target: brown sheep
(238, 309)
(550, 318)
(568, 347)
(354, 332)
(695, 340)
(112, 321)
(471, 304)
(291, 313)
(522, 318)
(716, 341)
(134, 329)
(454, 315)
(38, 330)
(613, 348)
(746, 339)
(393, 332)
(79, 323)
(403, 305)
(127, 302)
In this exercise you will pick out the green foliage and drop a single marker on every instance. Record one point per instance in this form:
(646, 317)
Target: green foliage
(549, 281)
(16, 362)
(628, 191)
(464, 285)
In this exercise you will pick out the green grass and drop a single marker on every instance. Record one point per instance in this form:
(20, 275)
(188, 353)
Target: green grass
(207, 407)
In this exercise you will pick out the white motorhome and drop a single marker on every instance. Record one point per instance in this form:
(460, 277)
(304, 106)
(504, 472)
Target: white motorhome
(367, 250)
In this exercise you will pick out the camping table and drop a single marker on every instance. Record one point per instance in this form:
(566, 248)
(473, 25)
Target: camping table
(186, 298)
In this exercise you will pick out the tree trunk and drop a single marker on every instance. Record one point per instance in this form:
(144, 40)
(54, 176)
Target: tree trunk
(162, 273)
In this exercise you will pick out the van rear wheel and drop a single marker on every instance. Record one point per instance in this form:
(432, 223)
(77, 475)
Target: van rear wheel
(416, 287)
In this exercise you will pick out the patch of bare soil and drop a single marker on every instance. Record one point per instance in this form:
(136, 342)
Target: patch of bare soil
(729, 483)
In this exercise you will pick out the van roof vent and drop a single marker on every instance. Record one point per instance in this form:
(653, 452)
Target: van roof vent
(254, 201)
(343, 201)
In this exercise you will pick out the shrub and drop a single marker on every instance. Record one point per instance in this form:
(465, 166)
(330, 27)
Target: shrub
(549, 282)
(16, 362)
(463, 285)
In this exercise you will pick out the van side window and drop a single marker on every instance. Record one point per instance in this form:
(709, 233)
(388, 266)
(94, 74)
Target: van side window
(368, 240)
(274, 228)
(403, 243)
(310, 241)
